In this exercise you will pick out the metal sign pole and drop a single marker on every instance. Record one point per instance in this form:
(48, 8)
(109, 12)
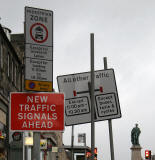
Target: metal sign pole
(36, 146)
(110, 122)
(85, 145)
(24, 147)
(72, 143)
(92, 96)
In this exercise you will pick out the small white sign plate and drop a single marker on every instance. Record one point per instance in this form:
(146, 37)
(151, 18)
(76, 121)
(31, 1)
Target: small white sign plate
(38, 69)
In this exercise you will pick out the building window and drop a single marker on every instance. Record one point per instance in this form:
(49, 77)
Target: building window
(12, 75)
(15, 75)
(0, 52)
(9, 67)
(19, 79)
(1, 55)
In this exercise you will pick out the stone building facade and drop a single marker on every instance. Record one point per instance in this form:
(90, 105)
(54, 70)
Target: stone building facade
(10, 81)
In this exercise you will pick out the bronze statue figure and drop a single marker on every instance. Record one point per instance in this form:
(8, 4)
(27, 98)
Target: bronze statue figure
(135, 135)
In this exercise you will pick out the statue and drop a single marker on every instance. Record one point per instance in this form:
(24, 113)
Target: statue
(135, 135)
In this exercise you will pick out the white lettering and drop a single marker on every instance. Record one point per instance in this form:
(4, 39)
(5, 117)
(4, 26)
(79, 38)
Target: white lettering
(24, 124)
(37, 124)
(38, 107)
(49, 124)
(43, 125)
(29, 116)
(43, 99)
(54, 116)
(30, 99)
(37, 116)
(21, 107)
(33, 108)
(31, 124)
(52, 107)
(26, 107)
(43, 116)
(44, 107)
(20, 116)
(36, 99)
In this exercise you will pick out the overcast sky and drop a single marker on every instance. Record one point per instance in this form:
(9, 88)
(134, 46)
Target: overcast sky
(125, 34)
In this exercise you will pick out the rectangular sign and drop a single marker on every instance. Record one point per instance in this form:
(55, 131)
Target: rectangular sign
(39, 52)
(37, 111)
(81, 138)
(77, 106)
(38, 70)
(38, 47)
(38, 85)
(39, 26)
(106, 104)
(77, 97)
(43, 144)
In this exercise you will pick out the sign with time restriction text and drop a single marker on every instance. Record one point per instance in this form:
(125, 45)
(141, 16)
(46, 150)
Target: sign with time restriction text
(78, 101)
(37, 112)
(38, 49)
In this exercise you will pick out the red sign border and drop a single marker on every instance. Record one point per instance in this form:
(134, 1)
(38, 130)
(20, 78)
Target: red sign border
(36, 130)
(45, 30)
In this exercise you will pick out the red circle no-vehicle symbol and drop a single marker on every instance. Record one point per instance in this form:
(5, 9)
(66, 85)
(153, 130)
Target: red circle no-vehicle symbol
(39, 32)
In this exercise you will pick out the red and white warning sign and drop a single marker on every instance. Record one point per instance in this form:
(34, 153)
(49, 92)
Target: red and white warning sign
(39, 32)
(39, 26)
(37, 112)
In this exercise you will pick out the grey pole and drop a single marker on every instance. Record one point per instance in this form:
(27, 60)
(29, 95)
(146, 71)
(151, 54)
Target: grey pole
(92, 96)
(85, 145)
(110, 122)
(72, 143)
(36, 146)
(24, 146)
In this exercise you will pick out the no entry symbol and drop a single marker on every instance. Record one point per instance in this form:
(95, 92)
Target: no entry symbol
(39, 32)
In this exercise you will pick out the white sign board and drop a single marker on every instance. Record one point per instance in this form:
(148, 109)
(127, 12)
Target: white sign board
(39, 26)
(38, 49)
(43, 143)
(38, 69)
(81, 137)
(77, 97)
(39, 52)
(55, 149)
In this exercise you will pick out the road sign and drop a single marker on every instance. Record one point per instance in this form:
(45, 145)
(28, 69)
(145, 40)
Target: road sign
(37, 112)
(39, 26)
(81, 138)
(38, 70)
(38, 49)
(43, 144)
(77, 97)
(39, 33)
(17, 136)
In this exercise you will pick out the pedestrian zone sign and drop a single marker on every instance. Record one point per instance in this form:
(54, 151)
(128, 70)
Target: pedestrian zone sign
(37, 111)
(77, 97)
(38, 49)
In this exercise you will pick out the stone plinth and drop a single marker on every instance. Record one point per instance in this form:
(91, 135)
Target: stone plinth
(136, 152)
